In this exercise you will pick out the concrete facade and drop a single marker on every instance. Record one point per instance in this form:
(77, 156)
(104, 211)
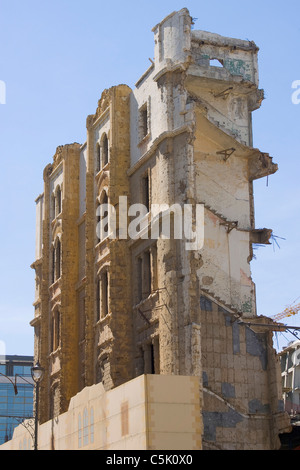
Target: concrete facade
(111, 307)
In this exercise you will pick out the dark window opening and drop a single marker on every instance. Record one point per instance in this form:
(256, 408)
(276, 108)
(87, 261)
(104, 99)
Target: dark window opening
(143, 122)
(98, 298)
(53, 265)
(152, 360)
(105, 214)
(150, 363)
(145, 191)
(140, 278)
(105, 150)
(104, 294)
(98, 158)
(58, 201)
(147, 274)
(98, 220)
(101, 229)
(58, 260)
(55, 331)
(144, 116)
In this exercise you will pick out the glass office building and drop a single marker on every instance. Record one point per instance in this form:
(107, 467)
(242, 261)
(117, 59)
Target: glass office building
(15, 407)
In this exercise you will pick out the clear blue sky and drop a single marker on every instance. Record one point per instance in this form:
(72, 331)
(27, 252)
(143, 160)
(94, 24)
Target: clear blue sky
(57, 56)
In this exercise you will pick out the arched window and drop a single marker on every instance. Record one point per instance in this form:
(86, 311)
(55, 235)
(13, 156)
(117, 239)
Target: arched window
(98, 220)
(58, 201)
(104, 149)
(55, 330)
(102, 294)
(104, 200)
(52, 264)
(102, 217)
(98, 158)
(57, 259)
(98, 298)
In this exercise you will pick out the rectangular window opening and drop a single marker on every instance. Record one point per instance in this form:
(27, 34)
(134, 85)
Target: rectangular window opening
(104, 294)
(145, 190)
(139, 279)
(144, 121)
(152, 360)
(147, 273)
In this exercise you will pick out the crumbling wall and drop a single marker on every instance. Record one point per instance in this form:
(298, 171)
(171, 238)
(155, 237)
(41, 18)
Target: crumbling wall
(226, 71)
(242, 409)
(109, 334)
(183, 136)
(57, 286)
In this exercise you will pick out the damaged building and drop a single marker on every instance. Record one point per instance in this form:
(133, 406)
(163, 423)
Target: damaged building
(109, 309)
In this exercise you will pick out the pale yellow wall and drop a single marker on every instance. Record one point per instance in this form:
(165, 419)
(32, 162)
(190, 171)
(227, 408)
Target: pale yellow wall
(148, 412)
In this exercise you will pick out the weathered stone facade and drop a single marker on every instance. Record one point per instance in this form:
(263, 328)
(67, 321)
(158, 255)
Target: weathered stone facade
(110, 308)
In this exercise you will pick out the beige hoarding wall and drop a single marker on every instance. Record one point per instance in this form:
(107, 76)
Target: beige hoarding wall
(149, 412)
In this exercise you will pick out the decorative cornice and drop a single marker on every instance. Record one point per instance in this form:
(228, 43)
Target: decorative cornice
(57, 158)
(103, 106)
